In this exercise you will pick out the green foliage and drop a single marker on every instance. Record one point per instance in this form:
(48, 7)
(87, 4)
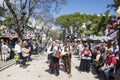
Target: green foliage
(55, 35)
(9, 21)
(60, 37)
(100, 33)
(94, 23)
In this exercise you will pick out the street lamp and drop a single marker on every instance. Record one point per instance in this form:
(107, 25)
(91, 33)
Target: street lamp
(118, 17)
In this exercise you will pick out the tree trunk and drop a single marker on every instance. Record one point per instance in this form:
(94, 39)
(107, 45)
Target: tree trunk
(20, 31)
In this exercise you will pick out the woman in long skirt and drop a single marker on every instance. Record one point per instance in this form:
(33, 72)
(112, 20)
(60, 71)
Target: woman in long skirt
(85, 59)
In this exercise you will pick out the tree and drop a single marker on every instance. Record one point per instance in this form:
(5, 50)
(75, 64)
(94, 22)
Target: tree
(94, 23)
(22, 10)
(114, 5)
(103, 22)
(54, 34)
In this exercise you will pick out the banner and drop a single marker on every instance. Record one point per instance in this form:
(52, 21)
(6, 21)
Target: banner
(113, 35)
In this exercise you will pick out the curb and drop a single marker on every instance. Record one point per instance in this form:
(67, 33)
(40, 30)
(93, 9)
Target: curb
(7, 64)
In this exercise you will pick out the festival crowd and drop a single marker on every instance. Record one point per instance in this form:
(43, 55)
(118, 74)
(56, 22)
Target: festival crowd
(102, 57)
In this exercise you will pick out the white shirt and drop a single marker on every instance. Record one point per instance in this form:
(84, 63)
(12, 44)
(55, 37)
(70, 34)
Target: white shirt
(84, 57)
(55, 48)
(5, 49)
(80, 47)
(63, 51)
(49, 50)
(17, 49)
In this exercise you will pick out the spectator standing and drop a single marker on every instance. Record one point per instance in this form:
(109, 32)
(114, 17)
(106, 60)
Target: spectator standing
(66, 55)
(50, 52)
(80, 48)
(30, 47)
(11, 46)
(37, 47)
(25, 53)
(5, 51)
(85, 59)
(17, 51)
(1, 42)
(56, 56)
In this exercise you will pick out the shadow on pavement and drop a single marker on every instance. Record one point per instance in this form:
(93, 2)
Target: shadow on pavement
(47, 70)
(77, 67)
(62, 68)
(27, 64)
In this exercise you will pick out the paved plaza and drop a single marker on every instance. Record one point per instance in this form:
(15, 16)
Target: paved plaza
(38, 70)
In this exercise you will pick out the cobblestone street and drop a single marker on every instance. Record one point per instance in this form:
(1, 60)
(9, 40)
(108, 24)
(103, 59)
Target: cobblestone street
(38, 70)
(59, 40)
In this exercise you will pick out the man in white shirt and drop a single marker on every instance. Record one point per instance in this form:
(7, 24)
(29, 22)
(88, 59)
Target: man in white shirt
(54, 61)
(17, 50)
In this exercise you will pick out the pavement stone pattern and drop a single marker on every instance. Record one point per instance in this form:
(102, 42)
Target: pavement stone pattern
(38, 70)
(4, 65)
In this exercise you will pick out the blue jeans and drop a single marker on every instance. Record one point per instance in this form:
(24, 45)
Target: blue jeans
(106, 71)
(42, 50)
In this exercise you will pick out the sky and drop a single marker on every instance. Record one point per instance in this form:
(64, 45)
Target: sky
(85, 6)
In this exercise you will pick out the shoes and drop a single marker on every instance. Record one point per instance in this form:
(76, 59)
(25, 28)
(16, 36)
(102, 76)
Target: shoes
(97, 76)
(69, 75)
(21, 65)
(57, 74)
(24, 67)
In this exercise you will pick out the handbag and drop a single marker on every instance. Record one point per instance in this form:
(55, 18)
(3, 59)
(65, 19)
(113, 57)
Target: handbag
(57, 54)
(16, 57)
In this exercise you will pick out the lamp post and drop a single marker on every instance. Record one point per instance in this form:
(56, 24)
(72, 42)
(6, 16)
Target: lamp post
(118, 17)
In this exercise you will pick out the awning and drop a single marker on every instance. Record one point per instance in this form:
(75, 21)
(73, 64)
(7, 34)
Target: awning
(25, 36)
(113, 34)
(10, 36)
